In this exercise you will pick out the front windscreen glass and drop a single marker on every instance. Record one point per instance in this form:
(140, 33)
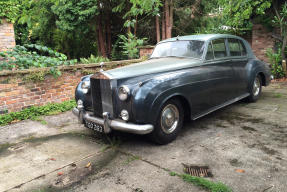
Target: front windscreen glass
(192, 49)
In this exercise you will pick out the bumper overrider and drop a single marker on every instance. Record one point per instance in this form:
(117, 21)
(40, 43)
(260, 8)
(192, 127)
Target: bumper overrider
(112, 124)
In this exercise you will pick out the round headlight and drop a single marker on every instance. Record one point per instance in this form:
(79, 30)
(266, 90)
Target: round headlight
(125, 115)
(85, 86)
(123, 93)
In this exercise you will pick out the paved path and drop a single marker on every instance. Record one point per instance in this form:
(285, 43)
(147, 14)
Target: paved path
(65, 156)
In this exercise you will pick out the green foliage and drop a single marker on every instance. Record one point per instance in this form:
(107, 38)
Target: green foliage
(238, 13)
(36, 111)
(212, 186)
(275, 61)
(9, 9)
(129, 44)
(41, 22)
(93, 59)
(74, 13)
(34, 56)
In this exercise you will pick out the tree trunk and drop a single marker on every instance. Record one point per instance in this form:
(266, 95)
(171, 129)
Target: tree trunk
(109, 36)
(157, 28)
(135, 28)
(284, 43)
(163, 25)
(167, 19)
(101, 38)
(194, 8)
(170, 17)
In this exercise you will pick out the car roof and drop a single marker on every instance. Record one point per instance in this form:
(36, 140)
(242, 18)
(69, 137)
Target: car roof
(201, 37)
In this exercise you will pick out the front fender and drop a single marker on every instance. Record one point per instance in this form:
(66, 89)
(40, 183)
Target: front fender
(149, 97)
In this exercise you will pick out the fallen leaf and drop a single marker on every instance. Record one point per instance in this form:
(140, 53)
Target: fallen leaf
(239, 170)
(60, 173)
(88, 165)
(52, 159)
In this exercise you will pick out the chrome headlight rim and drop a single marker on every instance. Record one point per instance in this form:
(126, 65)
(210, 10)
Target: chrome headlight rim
(123, 92)
(85, 86)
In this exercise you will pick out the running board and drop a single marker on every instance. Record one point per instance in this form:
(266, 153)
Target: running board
(222, 105)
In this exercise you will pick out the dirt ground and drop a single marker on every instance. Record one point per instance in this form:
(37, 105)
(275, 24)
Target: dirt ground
(243, 144)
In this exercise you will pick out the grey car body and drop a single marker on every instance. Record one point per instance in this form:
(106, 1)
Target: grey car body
(201, 85)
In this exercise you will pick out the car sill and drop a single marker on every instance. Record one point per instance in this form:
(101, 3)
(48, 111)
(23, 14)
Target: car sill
(222, 105)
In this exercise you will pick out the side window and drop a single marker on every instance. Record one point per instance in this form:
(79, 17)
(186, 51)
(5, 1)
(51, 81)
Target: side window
(219, 48)
(242, 48)
(209, 54)
(234, 47)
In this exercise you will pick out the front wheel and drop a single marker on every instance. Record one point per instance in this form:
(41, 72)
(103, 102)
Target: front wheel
(169, 122)
(255, 90)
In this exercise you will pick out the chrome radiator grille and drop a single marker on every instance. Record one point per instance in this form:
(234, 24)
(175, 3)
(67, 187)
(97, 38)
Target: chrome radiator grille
(101, 96)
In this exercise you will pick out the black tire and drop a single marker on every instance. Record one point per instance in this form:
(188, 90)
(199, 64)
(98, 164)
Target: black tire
(162, 136)
(254, 95)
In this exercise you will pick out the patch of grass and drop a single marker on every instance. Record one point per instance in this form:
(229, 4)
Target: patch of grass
(278, 95)
(206, 184)
(131, 159)
(202, 182)
(39, 119)
(36, 111)
(172, 173)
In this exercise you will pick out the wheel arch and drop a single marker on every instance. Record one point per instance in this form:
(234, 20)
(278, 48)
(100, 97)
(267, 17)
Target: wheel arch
(158, 103)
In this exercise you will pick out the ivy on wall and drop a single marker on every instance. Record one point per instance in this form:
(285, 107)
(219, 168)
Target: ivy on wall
(9, 10)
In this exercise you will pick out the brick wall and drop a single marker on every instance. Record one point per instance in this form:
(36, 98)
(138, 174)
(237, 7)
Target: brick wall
(146, 50)
(7, 38)
(16, 93)
(261, 40)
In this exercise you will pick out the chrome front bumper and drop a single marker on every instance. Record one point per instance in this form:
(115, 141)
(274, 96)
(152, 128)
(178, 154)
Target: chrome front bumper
(110, 124)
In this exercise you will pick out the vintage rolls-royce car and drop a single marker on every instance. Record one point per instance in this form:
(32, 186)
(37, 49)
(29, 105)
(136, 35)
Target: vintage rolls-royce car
(185, 78)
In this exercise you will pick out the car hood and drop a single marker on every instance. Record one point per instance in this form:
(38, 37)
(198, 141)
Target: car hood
(150, 66)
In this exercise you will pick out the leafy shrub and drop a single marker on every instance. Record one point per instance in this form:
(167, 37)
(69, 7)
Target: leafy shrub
(276, 65)
(35, 111)
(130, 44)
(9, 10)
(93, 59)
(34, 56)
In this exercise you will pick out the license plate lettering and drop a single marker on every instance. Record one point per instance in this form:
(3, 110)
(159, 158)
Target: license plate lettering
(94, 126)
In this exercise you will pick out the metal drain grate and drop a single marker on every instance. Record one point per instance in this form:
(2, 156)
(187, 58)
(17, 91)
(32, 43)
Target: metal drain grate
(197, 171)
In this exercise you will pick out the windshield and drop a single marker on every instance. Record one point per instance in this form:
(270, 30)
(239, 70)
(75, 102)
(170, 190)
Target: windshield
(192, 49)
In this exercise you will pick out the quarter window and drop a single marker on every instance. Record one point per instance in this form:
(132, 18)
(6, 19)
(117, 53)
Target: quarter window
(219, 48)
(209, 54)
(242, 48)
(234, 47)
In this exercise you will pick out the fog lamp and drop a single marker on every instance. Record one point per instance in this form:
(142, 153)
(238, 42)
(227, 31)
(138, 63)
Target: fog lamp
(125, 115)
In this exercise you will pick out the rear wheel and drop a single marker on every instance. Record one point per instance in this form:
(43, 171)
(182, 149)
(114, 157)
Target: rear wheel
(169, 122)
(255, 90)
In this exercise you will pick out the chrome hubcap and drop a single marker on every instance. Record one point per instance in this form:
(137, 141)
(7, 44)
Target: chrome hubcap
(169, 118)
(256, 87)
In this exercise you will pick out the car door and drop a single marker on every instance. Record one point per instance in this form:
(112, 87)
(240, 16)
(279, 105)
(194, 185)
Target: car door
(238, 56)
(220, 72)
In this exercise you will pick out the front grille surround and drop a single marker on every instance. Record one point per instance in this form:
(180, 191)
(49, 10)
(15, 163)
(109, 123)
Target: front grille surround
(102, 95)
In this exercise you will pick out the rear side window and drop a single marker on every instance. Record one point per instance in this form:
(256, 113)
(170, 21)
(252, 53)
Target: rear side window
(234, 47)
(219, 48)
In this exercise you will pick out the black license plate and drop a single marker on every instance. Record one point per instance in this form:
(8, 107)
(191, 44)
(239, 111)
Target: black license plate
(95, 126)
